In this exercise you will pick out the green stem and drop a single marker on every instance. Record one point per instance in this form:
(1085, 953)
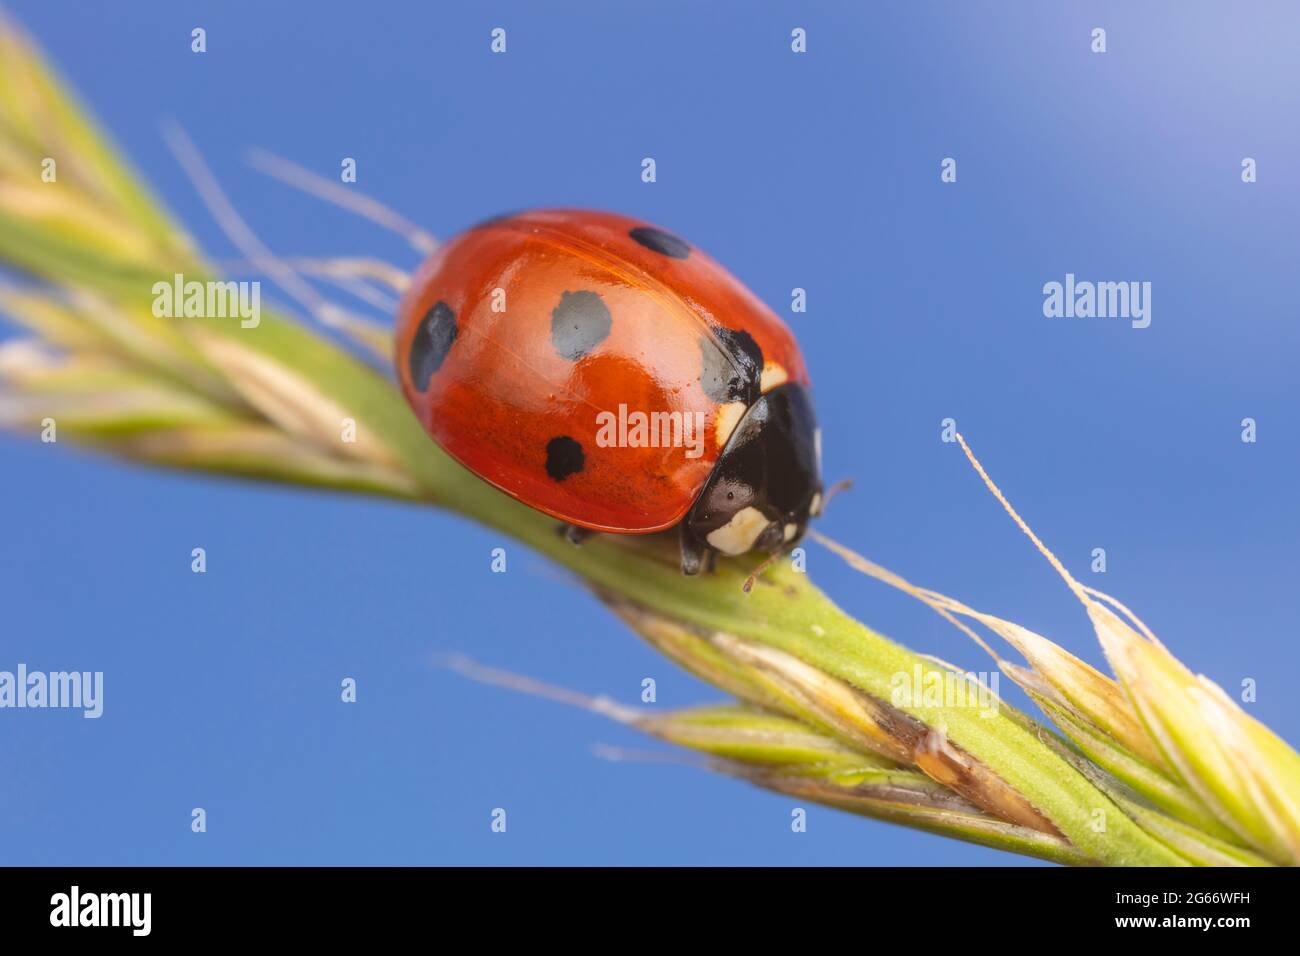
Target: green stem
(781, 612)
(785, 612)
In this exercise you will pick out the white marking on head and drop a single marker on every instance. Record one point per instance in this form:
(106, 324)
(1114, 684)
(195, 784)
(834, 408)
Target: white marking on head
(729, 417)
(773, 375)
(817, 444)
(790, 531)
(739, 534)
(816, 506)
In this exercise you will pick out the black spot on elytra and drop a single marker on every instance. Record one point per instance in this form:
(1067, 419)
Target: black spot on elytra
(564, 457)
(734, 372)
(579, 323)
(433, 340)
(664, 243)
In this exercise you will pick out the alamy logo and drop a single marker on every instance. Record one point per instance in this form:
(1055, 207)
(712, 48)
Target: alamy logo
(75, 908)
(626, 429)
(82, 690)
(208, 300)
(1101, 300)
(945, 689)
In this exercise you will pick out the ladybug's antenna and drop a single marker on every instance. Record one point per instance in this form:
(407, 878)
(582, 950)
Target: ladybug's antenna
(844, 484)
(291, 174)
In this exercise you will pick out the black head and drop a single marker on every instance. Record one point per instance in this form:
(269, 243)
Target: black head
(767, 484)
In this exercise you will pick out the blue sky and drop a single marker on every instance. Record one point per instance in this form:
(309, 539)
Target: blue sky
(925, 299)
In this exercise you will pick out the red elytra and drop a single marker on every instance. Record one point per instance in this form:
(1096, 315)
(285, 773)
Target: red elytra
(524, 342)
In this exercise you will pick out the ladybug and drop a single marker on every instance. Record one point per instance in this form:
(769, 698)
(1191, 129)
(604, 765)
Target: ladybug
(607, 373)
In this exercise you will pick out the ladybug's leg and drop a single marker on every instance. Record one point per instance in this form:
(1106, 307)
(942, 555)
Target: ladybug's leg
(575, 535)
(758, 571)
(696, 557)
